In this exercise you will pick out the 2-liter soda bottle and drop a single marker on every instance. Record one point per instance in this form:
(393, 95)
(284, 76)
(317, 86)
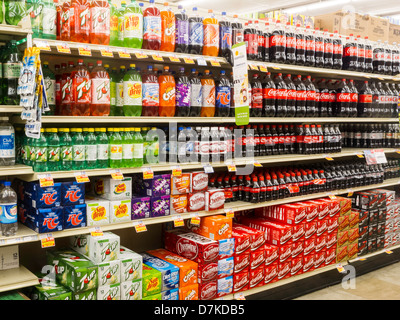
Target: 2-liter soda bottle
(115, 142)
(133, 26)
(223, 95)
(78, 149)
(137, 148)
(66, 149)
(181, 31)
(208, 85)
(196, 94)
(168, 29)
(81, 89)
(102, 148)
(80, 21)
(90, 149)
(127, 148)
(167, 94)
(151, 27)
(100, 79)
(100, 22)
(150, 93)
(182, 94)
(119, 93)
(211, 35)
(53, 150)
(49, 21)
(50, 83)
(196, 33)
(132, 93)
(114, 16)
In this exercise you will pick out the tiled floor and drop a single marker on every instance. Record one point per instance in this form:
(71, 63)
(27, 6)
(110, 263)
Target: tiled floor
(382, 284)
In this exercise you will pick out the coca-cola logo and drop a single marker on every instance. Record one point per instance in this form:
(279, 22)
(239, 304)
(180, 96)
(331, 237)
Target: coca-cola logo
(301, 95)
(310, 95)
(300, 44)
(281, 93)
(241, 247)
(278, 40)
(209, 290)
(257, 261)
(323, 212)
(335, 209)
(310, 231)
(242, 263)
(286, 254)
(269, 93)
(350, 51)
(297, 250)
(300, 216)
(319, 261)
(196, 201)
(330, 241)
(320, 245)
(286, 237)
(319, 46)
(209, 272)
(187, 249)
(298, 234)
(256, 279)
(309, 248)
(270, 274)
(242, 282)
(272, 257)
(259, 241)
(330, 256)
(328, 47)
(312, 214)
(308, 264)
(284, 271)
(333, 225)
(291, 42)
(322, 228)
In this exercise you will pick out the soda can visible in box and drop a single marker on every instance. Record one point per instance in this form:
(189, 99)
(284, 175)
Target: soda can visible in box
(75, 216)
(113, 189)
(226, 248)
(110, 292)
(103, 248)
(120, 211)
(224, 286)
(109, 272)
(42, 197)
(72, 193)
(131, 264)
(141, 208)
(88, 295)
(160, 206)
(97, 212)
(131, 290)
(172, 294)
(47, 220)
(169, 272)
(151, 281)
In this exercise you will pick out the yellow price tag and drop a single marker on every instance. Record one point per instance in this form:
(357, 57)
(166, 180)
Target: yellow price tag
(81, 177)
(178, 221)
(215, 63)
(140, 226)
(43, 45)
(63, 48)
(230, 213)
(47, 241)
(340, 268)
(332, 196)
(389, 252)
(123, 54)
(263, 69)
(96, 232)
(46, 180)
(105, 52)
(257, 164)
(329, 158)
(116, 174)
(177, 171)
(350, 192)
(157, 57)
(195, 220)
(140, 55)
(174, 59)
(360, 155)
(148, 173)
(188, 60)
(253, 67)
(231, 167)
(84, 51)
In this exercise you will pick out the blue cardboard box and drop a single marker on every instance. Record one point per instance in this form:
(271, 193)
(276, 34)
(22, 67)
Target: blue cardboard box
(72, 193)
(42, 197)
(47, 220)
(169, 272)
(74, 216)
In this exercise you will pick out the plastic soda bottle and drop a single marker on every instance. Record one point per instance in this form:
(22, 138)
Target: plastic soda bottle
(49, 28)
(143, 132)
(121, 22)
(211, 35)
(183, 94)
(119, 92)
(100, 79)
(208, 105)
(225, 37)
(196, 94)
(53, 150)
(151, 27)
(167, 94)
(66, 149)
(100, 22)
(196, 33)
(102, 148)
(7, 150)
(115, 143)
(80, 21)
(15, 10)
(181, 31)
(137, 148)
(152, 151)
(67, 97)
(150, 93)
(65, 18)
(40, 152)
(132, 93)
(113, 90)
(223, 96)
(8, 210)
(11, 70)
(114, 16)
(50, 83)
(127, 148)
(81, 90)
(90, 149)
(78, 149)
(167, 29)
(133, 26)
(35, 10)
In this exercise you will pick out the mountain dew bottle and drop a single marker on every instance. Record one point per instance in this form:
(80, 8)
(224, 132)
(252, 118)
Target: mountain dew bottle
(40, 152)
(137, 148)
(90, 149)
(102, 148)
(53, 150)
(116, 149)
(78, 149)
(66, 149)
(133, 26)
(132, 93)
(127, 149)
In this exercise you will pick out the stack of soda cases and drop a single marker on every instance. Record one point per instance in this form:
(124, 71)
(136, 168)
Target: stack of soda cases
(49, 209)
(378, 214)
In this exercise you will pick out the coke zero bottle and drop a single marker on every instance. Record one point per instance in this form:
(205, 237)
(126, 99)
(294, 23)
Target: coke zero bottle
(395, 59)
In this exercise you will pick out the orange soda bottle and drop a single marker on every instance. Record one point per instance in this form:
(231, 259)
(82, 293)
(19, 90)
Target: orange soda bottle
(167, 29)
(100, 91)
(208, 86)
(81, 90)
(211, 35)
(100, 22)
(167, 94)
(80, 21)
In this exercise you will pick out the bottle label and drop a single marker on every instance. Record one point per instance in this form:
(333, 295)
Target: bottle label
(269, 93)
(350, 51)
(65, 21)
(138, 151)
(223, 98)
(120, 94)
(114, 23)
(365, 98)
(116, 152)
(53, 154)
(40, 154)
(50, 90)
(256, 96)
(150, 94)
(226, 37)
(132, 93)
(7, 144)
(251, 41)
(100, 20)
(133, 25)
(49, 21)
(211, 35)
(196, 33)
(196, 96)
(182, 32)
(78, 152)
(208, 95)
(82, 18)
(121, 22)
(91, 152)
(66, 153)
(152, 28)
(100, 91)
(8, 213)
(82, 90)
(167, 98)
(127, 151)
(183, 95)
(113, 93)
(11, 70)
(102, 151)
(66, 91)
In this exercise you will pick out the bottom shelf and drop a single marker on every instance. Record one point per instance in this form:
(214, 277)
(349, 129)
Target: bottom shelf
(17, 278)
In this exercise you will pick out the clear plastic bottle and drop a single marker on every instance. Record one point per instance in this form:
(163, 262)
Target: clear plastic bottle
(8, 213)
(7, 150)
(138, 142)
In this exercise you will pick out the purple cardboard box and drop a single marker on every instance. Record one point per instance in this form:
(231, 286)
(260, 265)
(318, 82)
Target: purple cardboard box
(160, 206)
(141, 208)
(160, 185)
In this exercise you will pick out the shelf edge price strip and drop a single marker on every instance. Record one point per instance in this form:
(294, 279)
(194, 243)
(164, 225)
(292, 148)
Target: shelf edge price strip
(195, 219)
(122, 53)
(63, 48)
(157, 57)
(116, 174)
(176, 171)
(140, 55)
(46, 180)
(139, 226)
(43, 45)
(47, 240)
(208, 168)
(188, 60)
(178, 221)
(231, 167)
(229, 213)
(81, 177)
(96, 232)
(105, 52)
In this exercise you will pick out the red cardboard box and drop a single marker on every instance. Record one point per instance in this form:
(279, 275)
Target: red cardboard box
(271, 254)
(319, 259)
(208, 290)
(333, 224)
(241, 281)
(257, 259)
(242, 241)
(310, 230)
(320, 244)
(271, 273)
(257, 277)
(297, 266)
(322, 208)
(284, 269)
(241, 262)
(308, 263)
(298, 232)
(297, 249)
(330, 256)
(207, 272)
(309, 246)
(331, 240)
(257, 237)
(322, 227)
(196, 201)
(285, 252)
(199, 181)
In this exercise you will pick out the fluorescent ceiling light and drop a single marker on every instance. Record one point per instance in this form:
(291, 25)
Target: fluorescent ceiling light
(316, 6)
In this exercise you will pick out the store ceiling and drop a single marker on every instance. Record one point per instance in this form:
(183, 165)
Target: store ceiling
(308, 7)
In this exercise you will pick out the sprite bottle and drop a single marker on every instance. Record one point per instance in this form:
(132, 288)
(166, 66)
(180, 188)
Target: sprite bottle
(40, 152)
(102, 148)
(115, 149)
(49, 21)
(78, 149)
(35, 10)
(137, 148)
(15, 10)
(53, 150)
(66, 149)
(127, 148)
(132, 93)
(50, 83)
(90, 149)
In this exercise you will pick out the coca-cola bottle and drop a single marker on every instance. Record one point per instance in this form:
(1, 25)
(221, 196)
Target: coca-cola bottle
(246, 189)
(235, 189)
(269, 96)
(251, 40)
(383, 108)
(323, 98)
(301, 96)
(267, 35)
(290, 44)
(260, 37)
(269, 188)
(353, 99)
(342, 99)
(263, 189)
(291, 96)
(281, 140)
(256, 107)
(277, 44)
(300, 45)
(307, 140)
(396, 100)
(395, 59)
(281, 96)
(269, 142)
(255, 191)
(365, 100)
(378, 58)
(328, 49)
(319, 48)
(369, 67)
(311, 108)
(256, 137)
(262, 148)
(317, 96)
(299, 139)
(275, 187)
(332, 99)
(375, 104)
(350, 54)
(275, 140)
(337, 51)
(360, 54)
(389, 100)
(310, 47)
(388, 58)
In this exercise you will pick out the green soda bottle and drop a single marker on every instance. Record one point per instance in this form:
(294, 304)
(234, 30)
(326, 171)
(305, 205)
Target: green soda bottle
(49, 28)
(127, 149)
(153, 148)
(102, 148)
(114, 15)
(66, 149)
(110, 132)
(18, 144)
(11, 70)
(132, 93)
(115, 149)
(133, 26)
(121, 21)
(90, 149)
(113, 90)
(119, 92)
(31, 151)
(50, 82)
(137, 148)
(143, 132)
(15, 10)
(53, 150)
(35, 10)
(78, 149)
(40, 154)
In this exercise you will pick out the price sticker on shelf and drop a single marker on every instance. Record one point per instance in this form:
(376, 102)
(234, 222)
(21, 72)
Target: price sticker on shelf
(42, 45)
(81, 177)
(46, 180)
(176, 171)
(201, 61)
(360, 155)
(257, 164)
(397, 150)
(174, 58)
(106, 52)
(140, 55)
(375, 156)
(122, 53)
(178, 221)
(148, 173)
(188, 60)
(263, 69)
(215, 63)
(208, 168)
(63, 48)
(47, 240)
(332, 196)
(388, 251)
(253, 67)
(157, 57)
(96, 232)
(275, 67)
(340, 268)
(229, 213)
(231, 167)
(116, 174)
(139, 226)
(195, 219)
(350, 192)
(328, 157)
(239, 296)
(84, 50)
